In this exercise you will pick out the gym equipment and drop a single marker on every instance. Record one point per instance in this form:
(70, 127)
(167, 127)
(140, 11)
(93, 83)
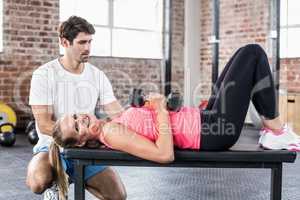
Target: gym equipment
(238, 158)
(174, 100)
(33, 137)
(7, 138)
(7, 115)
(31, 132)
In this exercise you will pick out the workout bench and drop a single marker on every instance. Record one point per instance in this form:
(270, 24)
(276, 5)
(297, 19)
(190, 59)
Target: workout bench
(236, 158)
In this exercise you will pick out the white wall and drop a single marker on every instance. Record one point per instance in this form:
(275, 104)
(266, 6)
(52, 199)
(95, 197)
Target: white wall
(191, 51)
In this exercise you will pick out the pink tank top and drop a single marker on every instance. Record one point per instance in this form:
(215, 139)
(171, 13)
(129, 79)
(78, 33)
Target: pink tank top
(185, 125)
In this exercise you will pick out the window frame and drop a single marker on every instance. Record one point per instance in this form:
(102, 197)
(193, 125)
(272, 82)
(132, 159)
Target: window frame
(286, 27)
(111, 27)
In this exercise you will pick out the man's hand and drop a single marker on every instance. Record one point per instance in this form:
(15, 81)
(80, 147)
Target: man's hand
(113, 109)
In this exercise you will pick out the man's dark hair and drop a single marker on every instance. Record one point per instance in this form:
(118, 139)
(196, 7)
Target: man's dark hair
(69, 29)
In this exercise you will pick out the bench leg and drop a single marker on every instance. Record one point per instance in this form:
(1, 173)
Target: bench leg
(79, 191)
(276, 182)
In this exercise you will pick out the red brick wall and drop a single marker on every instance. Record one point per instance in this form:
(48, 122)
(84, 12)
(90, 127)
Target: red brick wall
(30, 39)
(290, 75)
(241, 22)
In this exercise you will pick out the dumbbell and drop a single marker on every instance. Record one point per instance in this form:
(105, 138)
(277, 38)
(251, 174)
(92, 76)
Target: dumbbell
(7, 138)
(32, 135)
(174, 100)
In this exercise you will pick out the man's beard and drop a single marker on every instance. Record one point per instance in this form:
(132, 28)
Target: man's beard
(84, 58)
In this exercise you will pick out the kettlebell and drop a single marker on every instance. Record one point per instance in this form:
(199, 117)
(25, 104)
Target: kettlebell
(31, 132)
(7, 138)
(33, 137)
(30, 126)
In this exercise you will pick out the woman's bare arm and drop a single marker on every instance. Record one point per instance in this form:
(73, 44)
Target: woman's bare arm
(162, 150)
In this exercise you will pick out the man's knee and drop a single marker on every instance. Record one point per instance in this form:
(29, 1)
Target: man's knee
(108, 185)
(120, 195)
(38, 187)
(39, 174)
(39, 182)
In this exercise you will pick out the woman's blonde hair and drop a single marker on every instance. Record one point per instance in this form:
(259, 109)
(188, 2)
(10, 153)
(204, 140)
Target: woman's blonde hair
(60, 176)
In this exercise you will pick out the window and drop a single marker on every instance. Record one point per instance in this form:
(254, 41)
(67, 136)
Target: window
(124, 28)
(290, 29)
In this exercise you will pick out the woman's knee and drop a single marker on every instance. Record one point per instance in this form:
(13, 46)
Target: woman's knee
(254, 48)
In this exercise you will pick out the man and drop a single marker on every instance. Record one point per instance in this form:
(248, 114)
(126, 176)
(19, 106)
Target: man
(70, 84)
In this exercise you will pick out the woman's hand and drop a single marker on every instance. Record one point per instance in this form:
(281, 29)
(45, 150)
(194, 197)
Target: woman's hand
(156, 101)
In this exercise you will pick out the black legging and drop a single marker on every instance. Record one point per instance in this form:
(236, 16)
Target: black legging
(246, 77)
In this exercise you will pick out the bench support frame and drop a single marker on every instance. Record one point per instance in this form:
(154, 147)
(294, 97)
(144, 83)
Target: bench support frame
(276, 171)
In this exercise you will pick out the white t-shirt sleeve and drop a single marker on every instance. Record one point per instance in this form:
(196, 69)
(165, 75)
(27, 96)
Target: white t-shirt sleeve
(40, 88)
(106, 94)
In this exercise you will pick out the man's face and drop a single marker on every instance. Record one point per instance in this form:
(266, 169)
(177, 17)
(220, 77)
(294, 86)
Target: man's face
(77, 126)
(80, 49)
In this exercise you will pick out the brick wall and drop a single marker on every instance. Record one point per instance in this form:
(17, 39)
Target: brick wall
(290, 75)
(241, 22)
(30, 39)
(126, 73)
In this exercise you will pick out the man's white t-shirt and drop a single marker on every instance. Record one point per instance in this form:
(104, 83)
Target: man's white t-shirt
(68, 93)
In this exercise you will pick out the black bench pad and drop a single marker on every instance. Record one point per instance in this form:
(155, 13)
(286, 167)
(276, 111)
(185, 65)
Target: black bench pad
(252, 157)
(182, 157)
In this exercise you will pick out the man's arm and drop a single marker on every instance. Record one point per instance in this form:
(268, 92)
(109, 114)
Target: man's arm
(113, 109)
(43, 115)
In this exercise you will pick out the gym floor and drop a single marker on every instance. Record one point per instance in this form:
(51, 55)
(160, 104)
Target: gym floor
(162, 183)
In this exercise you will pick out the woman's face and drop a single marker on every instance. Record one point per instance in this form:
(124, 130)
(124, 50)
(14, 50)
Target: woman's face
(77, 127)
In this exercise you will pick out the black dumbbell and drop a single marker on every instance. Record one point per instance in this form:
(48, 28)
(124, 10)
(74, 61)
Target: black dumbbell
(174, 100)
(137, 98)
(32, 135)
(7, 138)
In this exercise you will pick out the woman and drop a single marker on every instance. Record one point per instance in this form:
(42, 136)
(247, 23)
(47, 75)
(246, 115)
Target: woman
(151, 132)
